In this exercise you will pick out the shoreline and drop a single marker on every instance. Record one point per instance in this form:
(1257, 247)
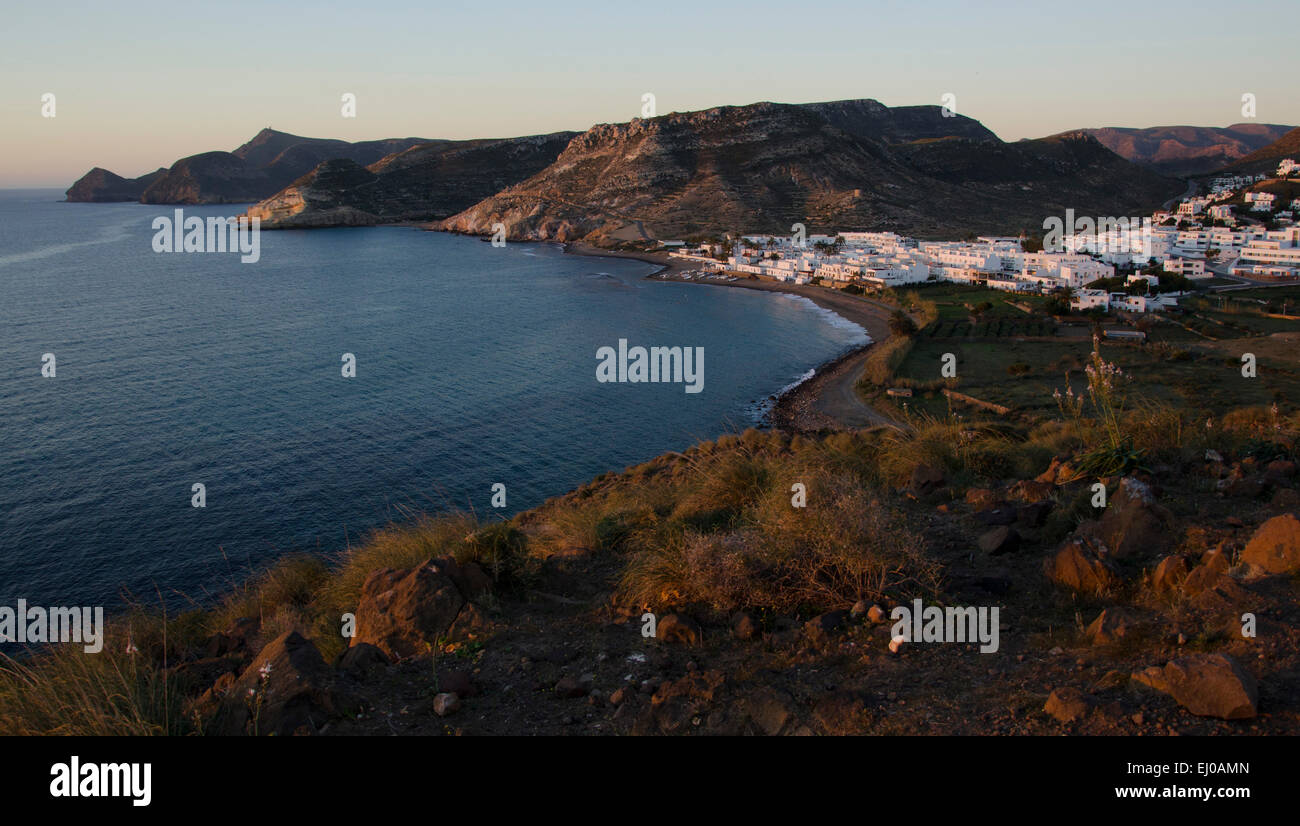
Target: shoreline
(828, 399)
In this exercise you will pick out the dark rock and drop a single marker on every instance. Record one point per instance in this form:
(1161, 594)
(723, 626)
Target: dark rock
(360, 659)
(926, 479)
(1001, 540)
(287, 688)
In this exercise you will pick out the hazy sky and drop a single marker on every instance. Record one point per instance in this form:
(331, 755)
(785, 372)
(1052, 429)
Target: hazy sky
(140, 84)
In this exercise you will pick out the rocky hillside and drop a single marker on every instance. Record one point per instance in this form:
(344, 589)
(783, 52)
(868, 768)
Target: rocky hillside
(1266, 158)
(261, 167)
(874, 120)
(426, 182)
(1187, 150)
(101, 186)
(766, 166)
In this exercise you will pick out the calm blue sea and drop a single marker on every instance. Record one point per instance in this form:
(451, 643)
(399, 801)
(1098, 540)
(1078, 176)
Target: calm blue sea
(475, 366)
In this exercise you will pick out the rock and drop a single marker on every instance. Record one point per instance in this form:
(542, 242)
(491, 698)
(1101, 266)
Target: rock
(876, 614)
(859, 609)
(1286, 498)
(1001, 540)
(287, 687)
(1275, 547)
(1068, 704)
(1278, 472)
(830, 622)
(360, 659)
(1058, 473)
(897, 644)
(745, 625)
(1112, 624)
(1223, 594)
(571, 688)
(926, 479)
(769, 709)
(981, 499)
(619, 695)
(1243, 487)
(405, 611)
(1032, 491)
(234, 640)
(678, 628)
(1213, 565)
(1078, 567)
(471, 580)
(1169, 574)
(1212, 685)
(1213, 456)
(1152, 677)
(471, 623)
(1133, 522)
(446, 704)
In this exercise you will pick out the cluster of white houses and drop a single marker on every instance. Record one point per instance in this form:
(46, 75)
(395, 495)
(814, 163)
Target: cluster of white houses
(1179, 242)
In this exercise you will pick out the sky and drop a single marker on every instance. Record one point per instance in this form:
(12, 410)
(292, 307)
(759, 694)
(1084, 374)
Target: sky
(138, 85)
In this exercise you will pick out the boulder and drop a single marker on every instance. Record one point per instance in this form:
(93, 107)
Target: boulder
(1000, 540)
(830, 622)
(1212, 685)
(1133, 522)
(678, 628)
(1213, 565)
(360, 659)
(926, 479)
(1112, 624)
(1275, 547)
(403, 612)
(1169, 574)
(1076, 566)
(1068, 705)
(287, 689)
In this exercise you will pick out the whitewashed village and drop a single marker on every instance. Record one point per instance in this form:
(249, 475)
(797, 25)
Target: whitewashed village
(1202, 239)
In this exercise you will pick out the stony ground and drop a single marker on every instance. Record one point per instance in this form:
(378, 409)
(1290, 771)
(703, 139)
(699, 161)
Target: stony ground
(1130, 625)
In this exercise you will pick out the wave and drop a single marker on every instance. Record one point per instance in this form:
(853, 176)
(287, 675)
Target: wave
(833, 318)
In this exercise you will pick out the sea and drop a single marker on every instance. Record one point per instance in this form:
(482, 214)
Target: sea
(347, 379)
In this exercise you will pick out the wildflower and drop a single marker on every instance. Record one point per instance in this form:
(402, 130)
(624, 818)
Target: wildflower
(131, 649)
(265, 672)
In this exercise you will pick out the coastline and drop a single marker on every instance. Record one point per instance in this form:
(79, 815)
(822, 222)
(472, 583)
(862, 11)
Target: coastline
(827, 400)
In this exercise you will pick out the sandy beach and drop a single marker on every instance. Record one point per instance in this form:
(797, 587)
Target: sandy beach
(828, 400)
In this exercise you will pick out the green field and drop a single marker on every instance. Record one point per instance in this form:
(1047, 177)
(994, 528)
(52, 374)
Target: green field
(1015, 359)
